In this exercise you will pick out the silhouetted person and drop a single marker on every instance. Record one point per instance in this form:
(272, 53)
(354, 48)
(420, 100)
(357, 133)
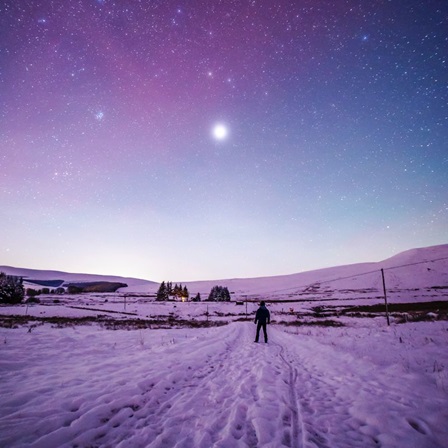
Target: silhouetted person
(263, 318)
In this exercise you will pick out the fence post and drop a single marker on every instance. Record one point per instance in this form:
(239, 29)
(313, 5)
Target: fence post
(385, 297)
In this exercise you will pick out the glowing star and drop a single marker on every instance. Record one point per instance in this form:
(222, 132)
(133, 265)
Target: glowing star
(220, 132)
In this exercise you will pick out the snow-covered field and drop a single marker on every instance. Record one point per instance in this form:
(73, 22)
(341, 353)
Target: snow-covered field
(417, 274)
(362, 385)
(168, 376)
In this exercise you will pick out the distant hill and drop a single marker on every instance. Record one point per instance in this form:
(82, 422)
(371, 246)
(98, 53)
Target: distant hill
(422, 268)
(412, 269)
(54, 279)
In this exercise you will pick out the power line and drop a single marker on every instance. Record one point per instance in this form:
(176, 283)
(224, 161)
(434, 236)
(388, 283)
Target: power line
(413, 264)
(309, 285)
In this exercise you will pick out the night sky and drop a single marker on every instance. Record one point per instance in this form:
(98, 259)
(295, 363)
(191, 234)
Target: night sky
(189, 140)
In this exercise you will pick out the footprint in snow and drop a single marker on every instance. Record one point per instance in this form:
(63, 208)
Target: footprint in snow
(419, 425)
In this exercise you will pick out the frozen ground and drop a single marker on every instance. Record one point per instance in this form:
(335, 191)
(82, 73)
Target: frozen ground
(362, 385)
(69, 381)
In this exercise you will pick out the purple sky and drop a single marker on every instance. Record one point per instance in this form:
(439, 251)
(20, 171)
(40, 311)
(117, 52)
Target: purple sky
(336, 148)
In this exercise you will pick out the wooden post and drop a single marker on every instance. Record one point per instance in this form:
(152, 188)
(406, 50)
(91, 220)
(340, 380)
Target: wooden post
(385, 297)
(125, 302)
(246, 307)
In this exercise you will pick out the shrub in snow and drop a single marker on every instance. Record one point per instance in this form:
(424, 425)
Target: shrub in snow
(30, 292)
(11, 289)
(72, 289)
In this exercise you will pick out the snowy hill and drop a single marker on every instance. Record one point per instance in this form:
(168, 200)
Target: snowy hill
(413, 269)
(416, 268)
(30, 275)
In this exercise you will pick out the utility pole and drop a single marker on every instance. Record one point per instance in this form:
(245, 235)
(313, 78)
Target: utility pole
(385, 297)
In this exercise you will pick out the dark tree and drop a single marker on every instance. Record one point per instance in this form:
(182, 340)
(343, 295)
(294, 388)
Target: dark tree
(197, 298)
(162, 293)
(11, 289)
(219, 294)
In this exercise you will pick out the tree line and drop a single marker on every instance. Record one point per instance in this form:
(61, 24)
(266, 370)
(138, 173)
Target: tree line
(12, 291)
(167, 292)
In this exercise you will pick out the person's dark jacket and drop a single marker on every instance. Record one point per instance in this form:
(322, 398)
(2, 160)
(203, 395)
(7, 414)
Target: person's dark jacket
(263, 316)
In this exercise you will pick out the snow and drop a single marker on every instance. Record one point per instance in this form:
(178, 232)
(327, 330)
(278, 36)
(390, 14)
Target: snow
(76, 383)
(422, 268)
(364, 384)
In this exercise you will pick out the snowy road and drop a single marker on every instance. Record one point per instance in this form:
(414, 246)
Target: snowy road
(213, 387)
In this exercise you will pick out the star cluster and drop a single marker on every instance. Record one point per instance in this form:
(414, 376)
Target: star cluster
(211, 139)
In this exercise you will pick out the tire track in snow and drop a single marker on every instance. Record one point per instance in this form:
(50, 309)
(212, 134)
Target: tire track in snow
(298, 432)
(319, 391)
(334, 403)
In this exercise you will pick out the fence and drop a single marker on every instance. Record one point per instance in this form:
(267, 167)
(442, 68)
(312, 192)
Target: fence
(378, 285)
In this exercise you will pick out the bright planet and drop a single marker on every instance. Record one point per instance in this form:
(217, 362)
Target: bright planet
(220, 132)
